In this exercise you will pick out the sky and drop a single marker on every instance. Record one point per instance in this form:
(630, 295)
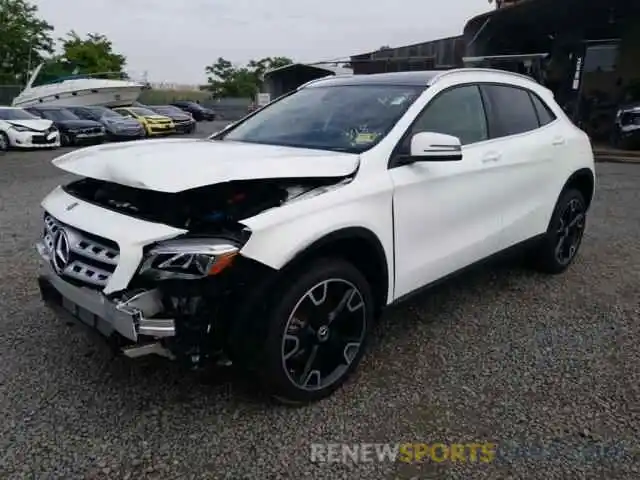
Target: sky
(173, 40)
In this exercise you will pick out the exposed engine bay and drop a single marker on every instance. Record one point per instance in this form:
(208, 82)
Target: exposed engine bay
(204, 209)
(194, 321)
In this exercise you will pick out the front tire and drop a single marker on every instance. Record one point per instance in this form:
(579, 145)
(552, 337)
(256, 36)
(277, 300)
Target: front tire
(559, 247)
(4, 142)
(317, 332)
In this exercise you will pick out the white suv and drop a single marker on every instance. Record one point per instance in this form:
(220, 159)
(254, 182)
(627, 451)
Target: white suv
(277, 242)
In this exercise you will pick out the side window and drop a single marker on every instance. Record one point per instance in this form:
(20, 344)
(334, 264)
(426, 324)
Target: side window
(510, 110)
(458, 112)
(545, 115)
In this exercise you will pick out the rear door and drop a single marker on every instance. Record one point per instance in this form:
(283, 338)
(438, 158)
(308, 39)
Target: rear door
(531, 142)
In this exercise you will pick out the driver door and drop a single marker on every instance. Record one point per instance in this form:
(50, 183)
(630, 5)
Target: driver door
(447, 213)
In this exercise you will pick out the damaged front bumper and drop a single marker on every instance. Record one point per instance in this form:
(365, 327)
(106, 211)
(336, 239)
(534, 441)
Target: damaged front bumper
(131, 318)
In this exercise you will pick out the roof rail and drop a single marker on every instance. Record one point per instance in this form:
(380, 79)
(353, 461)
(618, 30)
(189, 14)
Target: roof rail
(315, 80)
(485, 70)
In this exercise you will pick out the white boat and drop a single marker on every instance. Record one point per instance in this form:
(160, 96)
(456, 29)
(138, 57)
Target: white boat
(78, 91)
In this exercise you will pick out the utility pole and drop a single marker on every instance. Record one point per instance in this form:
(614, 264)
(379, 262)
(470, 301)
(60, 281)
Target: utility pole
(29, 60)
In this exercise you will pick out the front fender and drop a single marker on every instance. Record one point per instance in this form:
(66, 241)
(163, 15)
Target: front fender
(279, 235)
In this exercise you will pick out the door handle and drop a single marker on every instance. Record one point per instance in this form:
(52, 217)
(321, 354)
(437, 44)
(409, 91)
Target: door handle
(491, 157)
(558, 141)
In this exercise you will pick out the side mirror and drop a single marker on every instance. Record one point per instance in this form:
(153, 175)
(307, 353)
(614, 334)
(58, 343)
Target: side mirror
(435, 147)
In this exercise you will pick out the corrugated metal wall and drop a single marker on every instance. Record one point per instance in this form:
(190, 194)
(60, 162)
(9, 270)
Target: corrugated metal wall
(436, 54)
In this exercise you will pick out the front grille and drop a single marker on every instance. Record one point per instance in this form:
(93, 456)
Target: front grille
(86, 258)
(41, 140)
(90, 130)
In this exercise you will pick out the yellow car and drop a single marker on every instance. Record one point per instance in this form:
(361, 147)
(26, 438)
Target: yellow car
(153, 123)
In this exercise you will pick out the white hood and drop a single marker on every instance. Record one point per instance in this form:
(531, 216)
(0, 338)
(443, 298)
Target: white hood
(176, 165)
(36, 124)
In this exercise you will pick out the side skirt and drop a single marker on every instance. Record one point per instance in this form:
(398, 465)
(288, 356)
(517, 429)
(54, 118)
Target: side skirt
(511, 251)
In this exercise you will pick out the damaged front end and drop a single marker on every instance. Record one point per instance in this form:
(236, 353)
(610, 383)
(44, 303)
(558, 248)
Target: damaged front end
(204, 210)
(189, 294)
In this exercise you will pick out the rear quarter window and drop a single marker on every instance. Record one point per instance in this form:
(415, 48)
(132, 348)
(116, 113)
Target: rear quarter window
(545, 114)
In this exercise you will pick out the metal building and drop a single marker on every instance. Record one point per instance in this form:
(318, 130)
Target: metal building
(592, 49)
(438, 54)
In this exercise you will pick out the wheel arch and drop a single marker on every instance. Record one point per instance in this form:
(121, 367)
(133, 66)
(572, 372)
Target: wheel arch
(582, 180)
(357, 245)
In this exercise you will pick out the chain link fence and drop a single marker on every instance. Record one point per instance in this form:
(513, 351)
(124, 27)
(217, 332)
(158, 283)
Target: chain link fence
(8, 93)
(228, 108)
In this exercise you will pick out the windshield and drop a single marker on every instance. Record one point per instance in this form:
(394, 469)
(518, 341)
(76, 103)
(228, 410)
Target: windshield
(349, 118)
(58, 115)
(96, 112)
(108, 113)
(142, 111)
(16, 114)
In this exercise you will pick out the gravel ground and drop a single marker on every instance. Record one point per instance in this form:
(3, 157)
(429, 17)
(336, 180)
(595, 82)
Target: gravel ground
(547, 368)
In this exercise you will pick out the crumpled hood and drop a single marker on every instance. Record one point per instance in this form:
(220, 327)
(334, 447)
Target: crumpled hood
(37, 124)
(175, 165)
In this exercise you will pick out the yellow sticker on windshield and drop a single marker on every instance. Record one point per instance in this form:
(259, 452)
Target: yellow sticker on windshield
(365, 137)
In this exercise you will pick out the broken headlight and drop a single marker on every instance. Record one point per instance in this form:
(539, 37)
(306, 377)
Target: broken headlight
(188, 259)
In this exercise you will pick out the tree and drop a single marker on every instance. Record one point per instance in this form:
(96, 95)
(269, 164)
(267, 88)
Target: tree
(260, 67)
(24, 40)
(93, 54)
(226, 80)
(90, 55)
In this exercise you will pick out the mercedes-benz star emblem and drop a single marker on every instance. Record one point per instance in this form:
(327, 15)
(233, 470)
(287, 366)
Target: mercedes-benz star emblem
(72, 206)
(61, 251)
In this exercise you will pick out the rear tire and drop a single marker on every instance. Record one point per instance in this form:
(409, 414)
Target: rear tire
(558, 249)
(317, 332)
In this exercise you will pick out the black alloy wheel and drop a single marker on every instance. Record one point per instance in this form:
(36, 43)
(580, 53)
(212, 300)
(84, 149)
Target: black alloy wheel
(572, 222)
(65, 139)
(558, 249)
(317, 332)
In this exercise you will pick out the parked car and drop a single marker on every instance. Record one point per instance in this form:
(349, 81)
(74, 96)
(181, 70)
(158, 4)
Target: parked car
(280, 241)
(625, 133)
(117, 126)
(21, 129)
(198, 112)
(153, 123)
(184, 122)
(73, 129)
